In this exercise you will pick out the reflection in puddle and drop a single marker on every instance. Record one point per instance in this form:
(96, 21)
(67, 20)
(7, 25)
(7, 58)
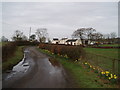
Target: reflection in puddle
(21, 67)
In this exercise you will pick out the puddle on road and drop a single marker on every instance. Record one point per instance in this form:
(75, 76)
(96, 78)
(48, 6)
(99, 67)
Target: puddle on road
(54, 62)
(21, 67)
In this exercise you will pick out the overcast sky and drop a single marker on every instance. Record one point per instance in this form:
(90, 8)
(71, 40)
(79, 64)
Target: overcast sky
(60, 18)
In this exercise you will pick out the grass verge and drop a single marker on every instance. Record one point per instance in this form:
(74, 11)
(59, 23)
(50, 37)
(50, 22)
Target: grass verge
(82, 76)
(3, 43)
(13, 60)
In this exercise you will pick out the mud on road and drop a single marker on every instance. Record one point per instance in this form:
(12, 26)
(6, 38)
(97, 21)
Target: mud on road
(37, 70)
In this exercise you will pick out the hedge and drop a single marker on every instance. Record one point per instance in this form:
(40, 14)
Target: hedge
(8, 50)
(73, 52)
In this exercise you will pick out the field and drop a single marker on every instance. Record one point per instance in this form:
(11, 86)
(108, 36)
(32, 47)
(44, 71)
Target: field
(109, 45)
(110, 53)
(104, 58)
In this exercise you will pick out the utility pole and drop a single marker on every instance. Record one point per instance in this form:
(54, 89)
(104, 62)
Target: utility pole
(29, 33)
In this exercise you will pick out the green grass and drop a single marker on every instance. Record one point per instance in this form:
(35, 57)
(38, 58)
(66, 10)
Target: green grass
(110, 53)
(83, 77)
(103, 58)
(110, 45)
(3, 43)
(8, 64)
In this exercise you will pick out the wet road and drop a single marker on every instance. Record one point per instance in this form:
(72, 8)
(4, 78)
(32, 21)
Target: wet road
(36, 70)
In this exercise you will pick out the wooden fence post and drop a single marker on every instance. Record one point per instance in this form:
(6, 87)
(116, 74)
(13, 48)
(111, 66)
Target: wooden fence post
(113, 68)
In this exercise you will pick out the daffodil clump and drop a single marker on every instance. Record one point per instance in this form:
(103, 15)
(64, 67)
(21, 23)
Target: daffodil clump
(111, 77)
(66, 56)
(106, 74)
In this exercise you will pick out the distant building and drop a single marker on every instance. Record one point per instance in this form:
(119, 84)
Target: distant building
(74, 42)
(55, 41)
(63, 41)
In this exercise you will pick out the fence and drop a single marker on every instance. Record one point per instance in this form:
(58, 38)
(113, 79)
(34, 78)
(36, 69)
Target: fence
(103, 62)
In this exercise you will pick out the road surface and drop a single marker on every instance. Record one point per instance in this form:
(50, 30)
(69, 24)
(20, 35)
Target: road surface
(36, 70)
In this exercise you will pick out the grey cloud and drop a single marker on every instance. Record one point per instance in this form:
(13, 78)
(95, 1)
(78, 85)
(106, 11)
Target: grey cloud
(61, 19)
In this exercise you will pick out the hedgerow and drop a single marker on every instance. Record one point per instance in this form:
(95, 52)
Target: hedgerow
(73, 52)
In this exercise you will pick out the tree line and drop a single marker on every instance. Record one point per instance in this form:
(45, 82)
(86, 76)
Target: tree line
(41, 35)
(92, 35)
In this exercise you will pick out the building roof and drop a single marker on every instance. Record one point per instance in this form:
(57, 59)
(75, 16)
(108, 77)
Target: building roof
(71, 40)
(55, 38)
(64, 38)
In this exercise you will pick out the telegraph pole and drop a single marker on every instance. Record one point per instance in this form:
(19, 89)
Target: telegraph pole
(29, 33)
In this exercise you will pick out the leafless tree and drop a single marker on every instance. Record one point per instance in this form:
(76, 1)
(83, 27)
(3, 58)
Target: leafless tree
(32, 37)
(97, 37)
(4, 39)
(83, 33)
(42, 34)
(89, 32)
(24, 38)
(113, 35)
(17, 35)
(79, 33)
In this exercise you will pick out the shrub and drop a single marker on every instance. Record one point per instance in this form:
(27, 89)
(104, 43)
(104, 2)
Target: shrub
(8, 50)
(73, 52)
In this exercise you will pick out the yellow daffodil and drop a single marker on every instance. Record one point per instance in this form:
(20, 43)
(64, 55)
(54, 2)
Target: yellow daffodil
(85, 63)
(111, 75)
(90, 66)
(109, 78)
(66, 56)
(115, 77)
(102, 72)
(106, 72)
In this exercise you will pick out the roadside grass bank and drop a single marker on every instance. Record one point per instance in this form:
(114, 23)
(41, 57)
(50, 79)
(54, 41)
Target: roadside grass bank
(83, 77)
(10, 62)
(3, 43)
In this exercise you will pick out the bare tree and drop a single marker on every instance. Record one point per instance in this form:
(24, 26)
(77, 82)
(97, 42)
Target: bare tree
(32, 37)
(42, 34)
(24, 38)
(113, 35)
(79, 33)
(83, 33)
(108, 36)
(17, 35)
(89, 32)
(4, 39)
(97, 37)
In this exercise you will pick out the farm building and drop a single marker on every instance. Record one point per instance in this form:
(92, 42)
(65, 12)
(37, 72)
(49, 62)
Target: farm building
(55, 41)
(74, 42)
(63, 41)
